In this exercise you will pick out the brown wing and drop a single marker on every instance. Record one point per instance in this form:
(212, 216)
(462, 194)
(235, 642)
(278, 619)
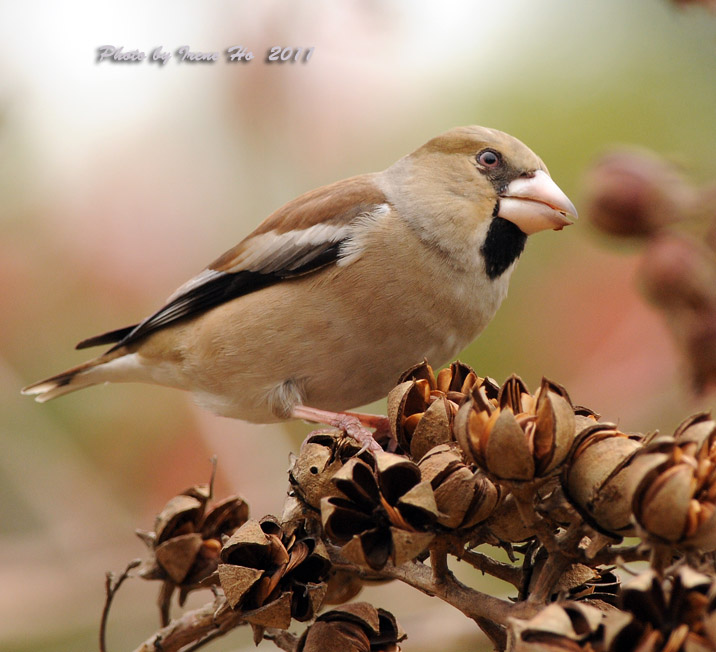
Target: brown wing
(299, 238)
(332, 207)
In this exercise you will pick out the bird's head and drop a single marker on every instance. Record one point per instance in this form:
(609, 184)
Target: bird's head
(502, 171)
(484, 188)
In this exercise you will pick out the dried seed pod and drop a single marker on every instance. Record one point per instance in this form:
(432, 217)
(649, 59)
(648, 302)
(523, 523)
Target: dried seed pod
(604, 586)
(635, 192)
(578, 581)
(521, 438)
(595, 478)
(700, 429)
(563, 627)
(384, 511)
(506, 524)
(185, 544)
(584, 418)
(356, 627)
(321, 455)
(342, 586)
(272, 575)
(422, 407)
(464, 496)
(674, 498)
(676, 613)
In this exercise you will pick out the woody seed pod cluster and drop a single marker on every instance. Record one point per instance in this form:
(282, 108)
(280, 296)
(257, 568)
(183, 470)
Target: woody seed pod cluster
(384, 511)
(356, 627)
(187, 539)
(596, 478)
(423, 405)
(674, 481)
(677, 613)
(518, 436)
(321, 455)
(464, 496)
(272, 575)
(560, 627)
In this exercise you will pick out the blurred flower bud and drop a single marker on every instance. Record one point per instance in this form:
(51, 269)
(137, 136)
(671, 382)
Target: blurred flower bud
(187, 539)
(464, 497)
(676, 613)
(678, 275)
(422, 407)
(522, 437)
(272, 575)
(700, 349)
(384, 512)
(675, 486)
(563, 627)
(356, 627)
(595, 477)
(632, 192)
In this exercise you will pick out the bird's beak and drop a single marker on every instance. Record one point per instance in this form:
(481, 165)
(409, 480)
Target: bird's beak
(536, 203)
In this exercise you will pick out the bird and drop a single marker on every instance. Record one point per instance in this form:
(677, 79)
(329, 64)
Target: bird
(322, 307)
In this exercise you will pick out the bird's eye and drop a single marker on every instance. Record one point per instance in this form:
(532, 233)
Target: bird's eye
(488, 158)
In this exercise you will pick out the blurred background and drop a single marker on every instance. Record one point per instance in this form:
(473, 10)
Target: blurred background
(120, 181)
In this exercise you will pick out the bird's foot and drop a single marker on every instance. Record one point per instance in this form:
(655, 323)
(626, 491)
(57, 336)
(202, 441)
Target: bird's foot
(355, 425)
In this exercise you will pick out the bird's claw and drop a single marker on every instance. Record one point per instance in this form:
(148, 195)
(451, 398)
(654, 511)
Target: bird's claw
(352, 426)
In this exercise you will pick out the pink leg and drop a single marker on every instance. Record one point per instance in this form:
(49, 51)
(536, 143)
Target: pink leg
(353, 424)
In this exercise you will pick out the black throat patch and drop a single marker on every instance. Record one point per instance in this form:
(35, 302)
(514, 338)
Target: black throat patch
(502, 247)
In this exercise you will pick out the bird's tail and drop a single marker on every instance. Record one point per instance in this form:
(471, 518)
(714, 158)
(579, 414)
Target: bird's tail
(83, 375)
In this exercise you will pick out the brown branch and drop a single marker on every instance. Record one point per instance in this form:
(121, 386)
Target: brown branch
(486, 564)
(557, 563)
(164, 602)
(111, 586)
(661, 557)
(496, 634)
(624, 554)
(474, 604)
(524, 493)
(438, 561)
(195, 628)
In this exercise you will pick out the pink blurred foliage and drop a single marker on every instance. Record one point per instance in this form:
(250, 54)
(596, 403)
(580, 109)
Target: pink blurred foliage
(587, 327)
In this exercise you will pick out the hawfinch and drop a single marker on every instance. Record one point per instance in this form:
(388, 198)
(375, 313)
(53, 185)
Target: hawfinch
(337, 292)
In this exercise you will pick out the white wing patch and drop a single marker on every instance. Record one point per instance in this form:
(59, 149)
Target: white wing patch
(273, 252)
(354, 245)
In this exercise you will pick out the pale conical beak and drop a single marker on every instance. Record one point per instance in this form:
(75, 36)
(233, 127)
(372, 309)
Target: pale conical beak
(536, 203)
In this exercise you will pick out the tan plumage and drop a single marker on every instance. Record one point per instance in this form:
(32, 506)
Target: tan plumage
(338, 291)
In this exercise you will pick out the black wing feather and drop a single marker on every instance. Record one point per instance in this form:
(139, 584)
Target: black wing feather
(220, 289)
(106, 338)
